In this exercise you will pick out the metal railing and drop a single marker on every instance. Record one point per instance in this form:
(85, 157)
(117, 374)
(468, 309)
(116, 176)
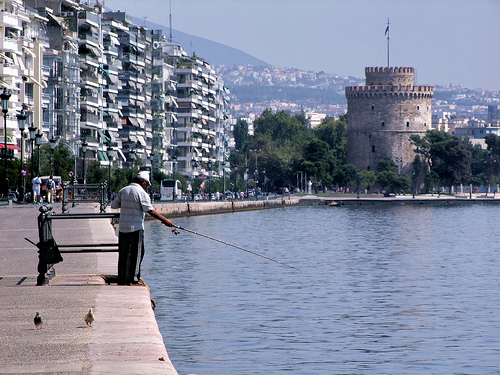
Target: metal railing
(79, 193)
(49, 252)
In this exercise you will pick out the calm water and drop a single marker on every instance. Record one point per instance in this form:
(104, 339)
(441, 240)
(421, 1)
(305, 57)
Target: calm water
(382, 290)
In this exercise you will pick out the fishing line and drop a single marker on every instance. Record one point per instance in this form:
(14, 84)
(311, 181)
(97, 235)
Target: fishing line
(235, 246)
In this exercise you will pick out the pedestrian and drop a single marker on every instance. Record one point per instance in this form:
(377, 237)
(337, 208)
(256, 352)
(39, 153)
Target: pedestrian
(36, 189)
(133, 201)
(51, 185)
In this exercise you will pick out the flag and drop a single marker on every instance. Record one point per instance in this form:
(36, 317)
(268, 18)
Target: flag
(386, 30)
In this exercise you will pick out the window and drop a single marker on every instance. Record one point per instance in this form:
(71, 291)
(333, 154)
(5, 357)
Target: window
(373, 148)
(418, 108)
(407, 124)
(382, 123)
(373, 107)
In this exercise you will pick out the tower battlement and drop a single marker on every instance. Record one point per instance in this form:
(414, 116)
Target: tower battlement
(389, 76)
(399, 90)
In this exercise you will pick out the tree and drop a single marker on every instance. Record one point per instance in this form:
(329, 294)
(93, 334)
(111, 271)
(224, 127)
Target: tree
(396, 183)
(346, 175)
(387, 165)
(447, 156)
(367, 178)
(240, 133)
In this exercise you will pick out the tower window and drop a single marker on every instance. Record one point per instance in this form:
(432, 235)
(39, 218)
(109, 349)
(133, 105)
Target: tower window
(373, 148)
(407, 124)
(373, 107)
(382, 123)
(418, 107)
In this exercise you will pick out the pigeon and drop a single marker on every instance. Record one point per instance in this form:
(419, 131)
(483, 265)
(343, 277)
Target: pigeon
(89, 318)
(38, 321)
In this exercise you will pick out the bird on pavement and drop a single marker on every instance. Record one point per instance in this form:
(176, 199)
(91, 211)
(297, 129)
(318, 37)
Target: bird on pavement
(38, 321)
(89, 318)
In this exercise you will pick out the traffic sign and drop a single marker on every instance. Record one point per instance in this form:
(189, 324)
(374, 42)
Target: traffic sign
(71, 174)
(24, 172)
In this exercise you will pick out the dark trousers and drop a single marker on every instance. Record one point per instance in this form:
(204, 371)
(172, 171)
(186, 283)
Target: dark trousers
(130, 254)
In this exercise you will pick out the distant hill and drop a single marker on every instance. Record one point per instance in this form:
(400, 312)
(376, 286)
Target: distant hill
(212, 52)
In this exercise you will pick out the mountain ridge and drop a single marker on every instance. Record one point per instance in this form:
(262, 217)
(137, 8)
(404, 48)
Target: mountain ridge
(212, 52)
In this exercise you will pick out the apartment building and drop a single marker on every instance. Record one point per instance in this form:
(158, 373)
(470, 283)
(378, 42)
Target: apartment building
(202, 118)
(84, 74)
(21, 72)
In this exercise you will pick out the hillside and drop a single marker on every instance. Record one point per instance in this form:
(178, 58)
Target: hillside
(213, 52)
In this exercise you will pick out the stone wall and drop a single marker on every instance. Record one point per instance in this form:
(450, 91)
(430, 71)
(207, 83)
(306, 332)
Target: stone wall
(382, 116)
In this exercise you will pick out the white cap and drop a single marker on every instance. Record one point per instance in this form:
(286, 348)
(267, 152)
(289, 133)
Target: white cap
(144, 175)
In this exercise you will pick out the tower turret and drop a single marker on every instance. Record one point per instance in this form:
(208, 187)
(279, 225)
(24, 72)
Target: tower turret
(383, 114)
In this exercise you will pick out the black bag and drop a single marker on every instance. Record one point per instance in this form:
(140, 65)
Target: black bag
(49, 252)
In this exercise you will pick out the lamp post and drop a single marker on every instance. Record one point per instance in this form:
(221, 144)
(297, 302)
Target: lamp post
(414, 184)
(52, 142)
(193, 164)
(84, 153)
(21, 120)
(5, 96)
(151, 159)
(235, 179)
(132, 158)
(174, 161)
(209, 165)
(223, 177)
(38, 143)
(32, 130)
(110, 157)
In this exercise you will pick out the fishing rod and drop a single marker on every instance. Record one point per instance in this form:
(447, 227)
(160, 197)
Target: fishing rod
(237, 247)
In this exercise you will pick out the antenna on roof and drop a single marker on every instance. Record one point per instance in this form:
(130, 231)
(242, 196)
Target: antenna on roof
(387, 33)
(170, 20)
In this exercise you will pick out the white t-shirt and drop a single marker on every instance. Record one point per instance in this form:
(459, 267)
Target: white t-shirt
(133, 202)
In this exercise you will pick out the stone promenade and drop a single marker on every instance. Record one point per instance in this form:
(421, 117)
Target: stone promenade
(124, 339)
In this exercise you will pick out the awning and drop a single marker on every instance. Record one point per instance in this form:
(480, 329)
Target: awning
(120, 154)
(141, 123)
(132, 121)
(10, 147)
(141, 140)
(102, 156)
(110, 95)
(7, 58)
(102, 135)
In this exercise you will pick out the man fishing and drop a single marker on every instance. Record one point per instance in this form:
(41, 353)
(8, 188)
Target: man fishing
(133, 202)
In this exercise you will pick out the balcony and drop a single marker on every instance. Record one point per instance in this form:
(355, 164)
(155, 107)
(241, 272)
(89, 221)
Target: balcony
(10, 20)
(9, 44)
(8, 70)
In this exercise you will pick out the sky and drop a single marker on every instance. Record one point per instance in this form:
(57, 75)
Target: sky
(448, 42)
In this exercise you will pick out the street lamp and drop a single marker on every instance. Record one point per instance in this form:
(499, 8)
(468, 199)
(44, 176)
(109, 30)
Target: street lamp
(21, 119)
(84, 152)
(132, 157)
(209, 165)
(52, 142)
(110, 157)
(5, 96)
(38, 142)
(174, 161)
(152, 158)
(32, 130)
(414, 183)
(193, 164)
(224, 177)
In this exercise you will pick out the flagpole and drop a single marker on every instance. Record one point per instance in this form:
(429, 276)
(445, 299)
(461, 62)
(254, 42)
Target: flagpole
(387, 32)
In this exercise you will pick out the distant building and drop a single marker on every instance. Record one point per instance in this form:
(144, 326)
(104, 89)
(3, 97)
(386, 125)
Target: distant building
(383, 114)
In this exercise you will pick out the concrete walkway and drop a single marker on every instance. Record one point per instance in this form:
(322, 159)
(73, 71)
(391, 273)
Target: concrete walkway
(124, 339)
